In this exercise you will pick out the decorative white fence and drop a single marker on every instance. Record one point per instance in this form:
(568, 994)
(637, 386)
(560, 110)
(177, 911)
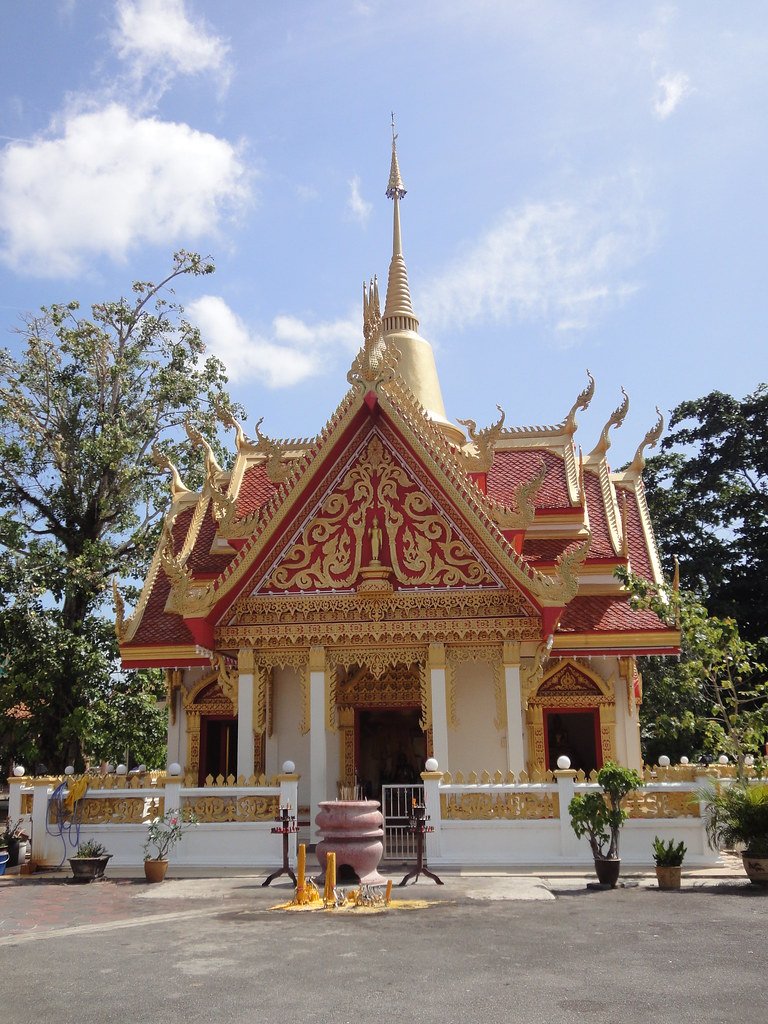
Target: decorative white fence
(480, 820)
(235, 819)
(497, 820)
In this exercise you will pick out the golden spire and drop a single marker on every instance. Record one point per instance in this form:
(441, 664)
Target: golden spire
(398, 310)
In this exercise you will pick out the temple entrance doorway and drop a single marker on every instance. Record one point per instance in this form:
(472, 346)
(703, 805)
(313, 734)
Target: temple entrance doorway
(218, 747)
(575, 734)
(390, 748)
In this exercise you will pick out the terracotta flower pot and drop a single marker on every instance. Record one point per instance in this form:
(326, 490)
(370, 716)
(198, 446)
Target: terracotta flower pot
(607, 871)
(756, 868)
(154, 870)
(668, 877)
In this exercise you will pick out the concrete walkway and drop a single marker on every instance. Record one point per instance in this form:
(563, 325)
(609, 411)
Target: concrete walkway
(49, 904)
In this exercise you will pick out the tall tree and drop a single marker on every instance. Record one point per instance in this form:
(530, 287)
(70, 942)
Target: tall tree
(80, 411)
(713, 698)
(708, 495)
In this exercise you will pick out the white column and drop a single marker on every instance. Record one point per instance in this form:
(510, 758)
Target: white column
(318, 744)
(246, 671)
(515, 736)
(436, 666)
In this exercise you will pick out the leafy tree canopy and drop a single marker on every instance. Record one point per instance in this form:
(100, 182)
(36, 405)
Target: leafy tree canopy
(708, 495)
(80, 501)
(714, 699)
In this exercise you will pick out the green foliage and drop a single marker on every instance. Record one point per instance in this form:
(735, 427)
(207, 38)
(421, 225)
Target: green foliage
(80, 501)
(668, 854)
(164, 833)
(91, 849)
(599, 816)
(716, 696)
(708, 496)
(737, 816)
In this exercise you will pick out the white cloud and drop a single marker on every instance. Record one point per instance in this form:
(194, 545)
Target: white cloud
(359, 208)
(307, 193)
(105, 181)
(562, 263)
(671, 89)
(159, 36)
(293, 351)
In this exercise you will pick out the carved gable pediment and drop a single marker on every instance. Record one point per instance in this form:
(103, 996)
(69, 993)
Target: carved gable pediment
(377, 523)
(569, 681)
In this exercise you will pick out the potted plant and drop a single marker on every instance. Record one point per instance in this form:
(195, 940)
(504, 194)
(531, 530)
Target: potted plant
(15, 840)
(599, 817)
(163, 833)
(669, 859)
(89, 861)
(736, 817)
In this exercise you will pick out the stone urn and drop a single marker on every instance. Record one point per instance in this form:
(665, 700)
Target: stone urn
(352, 829)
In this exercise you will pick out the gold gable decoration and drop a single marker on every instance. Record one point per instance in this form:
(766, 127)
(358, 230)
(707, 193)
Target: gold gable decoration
(421, 547)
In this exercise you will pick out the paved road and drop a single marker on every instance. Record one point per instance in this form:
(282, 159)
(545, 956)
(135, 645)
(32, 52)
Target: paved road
(489, 949)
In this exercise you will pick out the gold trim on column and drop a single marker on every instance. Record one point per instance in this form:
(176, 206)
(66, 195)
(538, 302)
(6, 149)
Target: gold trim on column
(260, 698)
(426, 699)
(491, 654)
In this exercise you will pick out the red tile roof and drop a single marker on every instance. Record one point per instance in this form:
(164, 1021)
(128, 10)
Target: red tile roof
(515, 466)
(601, 546)
(638, 549)
(255, 490)
(606, 614)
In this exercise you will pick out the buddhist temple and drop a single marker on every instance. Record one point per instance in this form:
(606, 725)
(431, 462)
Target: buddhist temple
(402, 585)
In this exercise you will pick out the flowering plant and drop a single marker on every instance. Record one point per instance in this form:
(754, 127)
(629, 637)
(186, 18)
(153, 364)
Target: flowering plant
(164, 833)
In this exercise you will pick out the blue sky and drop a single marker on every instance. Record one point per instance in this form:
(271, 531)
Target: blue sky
(587, 188)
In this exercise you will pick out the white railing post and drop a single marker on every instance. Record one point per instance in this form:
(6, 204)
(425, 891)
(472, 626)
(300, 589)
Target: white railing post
(289, 797)
(432, 779)
(41, 789)
(172, 794)
(14, 797)
(566, 790)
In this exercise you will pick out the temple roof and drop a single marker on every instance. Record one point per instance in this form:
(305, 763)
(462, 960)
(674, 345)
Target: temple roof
(516, 509)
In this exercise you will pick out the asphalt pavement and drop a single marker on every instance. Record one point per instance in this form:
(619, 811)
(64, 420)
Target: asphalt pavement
(529, 947)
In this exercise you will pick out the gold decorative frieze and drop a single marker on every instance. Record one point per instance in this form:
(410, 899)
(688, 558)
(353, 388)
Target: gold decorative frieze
(119, 810)
(376, 663)
(233, 808)
(509, 806)
(651, 804)
(351, 620)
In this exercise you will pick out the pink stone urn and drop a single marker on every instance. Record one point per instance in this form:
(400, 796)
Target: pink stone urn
(352, 829)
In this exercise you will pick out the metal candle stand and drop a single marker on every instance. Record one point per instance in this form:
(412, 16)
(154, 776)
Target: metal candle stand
(286, 827)
(417, 825)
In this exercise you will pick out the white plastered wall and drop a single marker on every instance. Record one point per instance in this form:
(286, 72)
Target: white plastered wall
(287, 742)
(476, 744)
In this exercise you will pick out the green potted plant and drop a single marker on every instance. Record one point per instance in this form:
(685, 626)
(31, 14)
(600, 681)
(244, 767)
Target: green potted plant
(599, 817)
(163, 834)
(736, 817)
(669, 857)
(89, 861)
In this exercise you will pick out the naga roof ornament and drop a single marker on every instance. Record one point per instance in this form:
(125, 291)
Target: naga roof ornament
(212, 469)
(484, 440)
(582, 402)
(616, 419)
(163, 463)
(650, 440)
